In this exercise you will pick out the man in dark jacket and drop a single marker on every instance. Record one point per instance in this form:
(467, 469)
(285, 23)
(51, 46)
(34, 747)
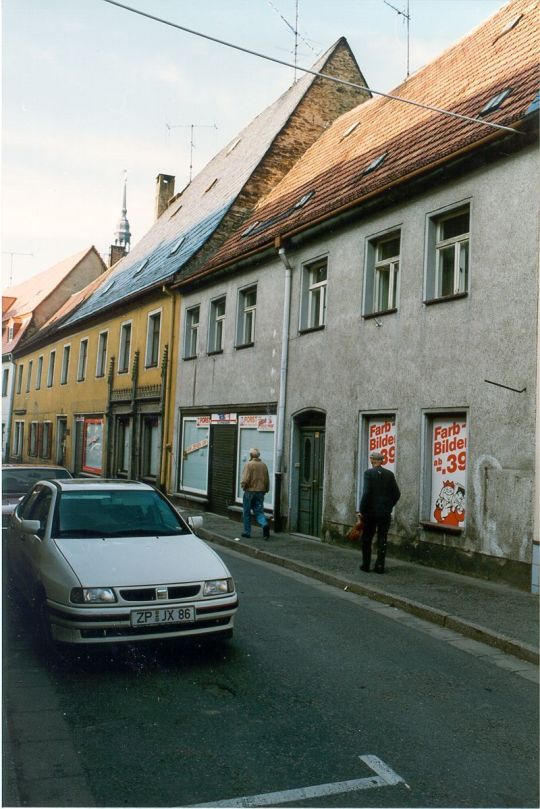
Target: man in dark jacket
(379, 497)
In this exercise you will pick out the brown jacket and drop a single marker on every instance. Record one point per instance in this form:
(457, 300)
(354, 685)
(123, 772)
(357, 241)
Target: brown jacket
(255, 476)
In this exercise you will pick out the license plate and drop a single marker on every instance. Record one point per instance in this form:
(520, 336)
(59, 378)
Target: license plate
(163, 615)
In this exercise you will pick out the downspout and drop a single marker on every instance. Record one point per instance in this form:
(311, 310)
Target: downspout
(11, 396)
(535, 568)
(280, 434)
(166, 448)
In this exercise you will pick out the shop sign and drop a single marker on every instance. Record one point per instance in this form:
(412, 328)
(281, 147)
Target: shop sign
(203, 421)
(194, 447)
(266, 424)
(382, 438)
(224, 418)
(449, 470)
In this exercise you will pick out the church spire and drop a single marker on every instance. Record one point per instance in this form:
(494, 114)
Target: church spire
(122, 235)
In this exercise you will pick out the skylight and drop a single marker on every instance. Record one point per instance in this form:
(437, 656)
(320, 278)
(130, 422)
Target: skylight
(375, 163)
(494, 103)
(177, 245)
(251, 228)
(304, 200)
(509, 25)
(107, 287)
(139, 270)
(350, 130)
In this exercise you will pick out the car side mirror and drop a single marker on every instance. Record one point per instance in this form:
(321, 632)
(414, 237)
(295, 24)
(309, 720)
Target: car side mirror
(195, 522)
(30, 526)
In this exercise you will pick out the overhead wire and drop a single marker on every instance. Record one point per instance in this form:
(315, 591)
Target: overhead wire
(312, 72)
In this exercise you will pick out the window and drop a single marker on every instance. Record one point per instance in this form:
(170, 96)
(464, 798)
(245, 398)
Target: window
(445, 470)
(381, 276)
(29, 376)
(125, 348)
(64, 374)
(19, 378)
(92, 448)
(247, 306)
(39, 372)
(150, 446)
(5, 382)
(33, 439)
(495, 102)
(83, 359)
(46, 439)
(152, 339)
(194, 466)
(256, 431)
(217, 320)
(313, 313)
(377, 432)
(101, 361)
(50, 371)
(191, 332)
(18, 439)
(448, 254)
(123, 447)
(10, 333)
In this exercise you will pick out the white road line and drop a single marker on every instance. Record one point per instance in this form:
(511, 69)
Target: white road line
(385, 777)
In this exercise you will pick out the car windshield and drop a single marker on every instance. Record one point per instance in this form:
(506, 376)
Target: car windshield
(115, 513)
(19, 481)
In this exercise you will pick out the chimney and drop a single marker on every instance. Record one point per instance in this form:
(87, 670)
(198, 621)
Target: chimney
(164, 192)
(116, 252)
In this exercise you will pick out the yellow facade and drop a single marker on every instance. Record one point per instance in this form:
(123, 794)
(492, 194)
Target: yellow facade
(103, 404)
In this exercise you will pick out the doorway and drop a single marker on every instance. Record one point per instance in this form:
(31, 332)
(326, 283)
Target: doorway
(309, 452)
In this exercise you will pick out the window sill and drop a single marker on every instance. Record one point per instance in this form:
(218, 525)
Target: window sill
(122, 371)
(313, 328)
(244, 345)
(380, 314)
(191, 357)
(151, 365)
(440, 528)
(455, 297)
(213, 353)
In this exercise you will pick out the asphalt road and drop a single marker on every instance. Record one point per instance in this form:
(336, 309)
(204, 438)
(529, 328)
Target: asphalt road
(314, 679)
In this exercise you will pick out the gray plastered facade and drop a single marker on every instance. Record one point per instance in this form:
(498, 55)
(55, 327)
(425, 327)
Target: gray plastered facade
(413, 363)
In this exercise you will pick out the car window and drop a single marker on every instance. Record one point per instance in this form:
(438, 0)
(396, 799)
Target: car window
(116, 513)
(18, 481)
(37, 507)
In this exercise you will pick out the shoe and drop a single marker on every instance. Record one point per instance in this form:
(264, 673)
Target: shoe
(266, 531)
(246, 536)
(365, 568)
(378, 569)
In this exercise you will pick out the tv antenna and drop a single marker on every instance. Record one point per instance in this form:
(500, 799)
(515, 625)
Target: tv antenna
(12, 253)
(295, 31)
(406, 15)
(191, 127)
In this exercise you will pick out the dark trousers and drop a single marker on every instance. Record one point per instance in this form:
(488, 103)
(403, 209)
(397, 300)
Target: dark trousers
(374, 524)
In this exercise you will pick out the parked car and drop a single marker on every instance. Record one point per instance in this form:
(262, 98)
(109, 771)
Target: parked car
(17, 479)
(106, 561)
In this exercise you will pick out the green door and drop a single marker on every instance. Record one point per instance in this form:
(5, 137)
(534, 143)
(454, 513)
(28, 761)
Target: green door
(311, 481)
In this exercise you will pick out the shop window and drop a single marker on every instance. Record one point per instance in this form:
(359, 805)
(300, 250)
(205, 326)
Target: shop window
(447, 268)
(151, 445)
(378, 432)
(217, 322)
(314, 288)
(194, 464)
(382, 273)
(101, 359)
(256, 431)
(191, 332)
(152, 339)
(444, 503)
(64, 374)
(92, 448)
(83, 360)
(125, 348)
(245, 327)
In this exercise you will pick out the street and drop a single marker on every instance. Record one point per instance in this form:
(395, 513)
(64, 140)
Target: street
(314, 679)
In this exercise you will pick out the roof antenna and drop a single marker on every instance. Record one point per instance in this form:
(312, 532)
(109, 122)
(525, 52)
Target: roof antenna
(407, 17)
(295, 31)
(191, 127)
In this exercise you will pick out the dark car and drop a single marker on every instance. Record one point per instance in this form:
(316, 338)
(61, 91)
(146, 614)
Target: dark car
(18, 479)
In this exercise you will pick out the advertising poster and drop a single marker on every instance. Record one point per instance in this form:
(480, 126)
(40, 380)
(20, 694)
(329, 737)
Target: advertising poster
(449, 471)
(382, 437)
(93, 442)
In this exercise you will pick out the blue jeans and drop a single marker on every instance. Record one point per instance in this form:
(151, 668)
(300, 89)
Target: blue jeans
(253, 501)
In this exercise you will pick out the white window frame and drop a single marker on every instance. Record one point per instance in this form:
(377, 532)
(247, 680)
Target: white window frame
(10, 332)
(101, 356)
(375, 267)
(426, 491)
(314, 295)
(39, 372)
(29, 375)
(247, 314)
(217, 324)
(183, 487)
(18, 439)
(20, 371)
(5, 382)
(152, 361)
(83, 360)
(191, 332)
(64, 374)
(436, 246)
(50, 368)
(123, 360)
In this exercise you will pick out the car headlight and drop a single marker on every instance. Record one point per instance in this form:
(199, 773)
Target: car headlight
(92, 595)
(218, 587)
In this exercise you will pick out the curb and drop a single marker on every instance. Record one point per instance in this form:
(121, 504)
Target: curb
(523, 651)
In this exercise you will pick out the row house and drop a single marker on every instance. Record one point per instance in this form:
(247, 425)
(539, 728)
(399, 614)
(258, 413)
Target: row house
(26, 307)
(102, 403)
(384, 294)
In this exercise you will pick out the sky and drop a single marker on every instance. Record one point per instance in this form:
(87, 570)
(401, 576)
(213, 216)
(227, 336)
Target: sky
(94, 94)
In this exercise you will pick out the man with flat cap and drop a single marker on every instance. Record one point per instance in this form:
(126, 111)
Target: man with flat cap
(255, 483)
(379, 497)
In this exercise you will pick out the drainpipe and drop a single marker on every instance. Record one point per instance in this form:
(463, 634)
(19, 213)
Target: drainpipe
(280, 436)
(11, 396)
(535, 568)
(164, 481)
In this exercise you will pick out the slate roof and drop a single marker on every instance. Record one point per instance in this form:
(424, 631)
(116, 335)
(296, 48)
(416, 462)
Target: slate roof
(382, 142)
(195, 214)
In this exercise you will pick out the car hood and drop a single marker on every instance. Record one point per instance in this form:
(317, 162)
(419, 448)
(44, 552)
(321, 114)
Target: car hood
(141, 561)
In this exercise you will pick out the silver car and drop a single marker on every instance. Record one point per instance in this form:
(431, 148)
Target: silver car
(17, 479)
(108, 561)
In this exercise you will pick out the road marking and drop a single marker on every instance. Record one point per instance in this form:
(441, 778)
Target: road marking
(385, 777)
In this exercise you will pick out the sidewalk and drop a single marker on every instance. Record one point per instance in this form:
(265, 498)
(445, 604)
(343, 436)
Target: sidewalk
(495, 614)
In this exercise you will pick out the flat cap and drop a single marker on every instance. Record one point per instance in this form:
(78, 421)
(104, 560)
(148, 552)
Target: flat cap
(376, 455)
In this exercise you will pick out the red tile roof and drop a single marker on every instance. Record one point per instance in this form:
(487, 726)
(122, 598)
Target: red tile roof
(494, 57)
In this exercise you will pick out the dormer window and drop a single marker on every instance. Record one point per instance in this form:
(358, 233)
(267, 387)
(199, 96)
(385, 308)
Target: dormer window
(495, 102)
(374, 165)
(10, 332)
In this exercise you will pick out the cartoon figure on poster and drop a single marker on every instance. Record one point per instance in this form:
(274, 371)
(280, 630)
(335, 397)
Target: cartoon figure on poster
(449, 471)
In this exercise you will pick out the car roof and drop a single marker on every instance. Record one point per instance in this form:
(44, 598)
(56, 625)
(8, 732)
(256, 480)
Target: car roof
(79, 484)
(31, 466)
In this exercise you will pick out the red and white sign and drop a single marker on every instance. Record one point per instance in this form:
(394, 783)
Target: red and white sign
(449, 471)
(223, 418)
(203, 421)
(382, 438)
(266, 424)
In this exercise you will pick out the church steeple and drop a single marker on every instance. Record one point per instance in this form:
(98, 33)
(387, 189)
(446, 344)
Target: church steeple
(122, 235)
